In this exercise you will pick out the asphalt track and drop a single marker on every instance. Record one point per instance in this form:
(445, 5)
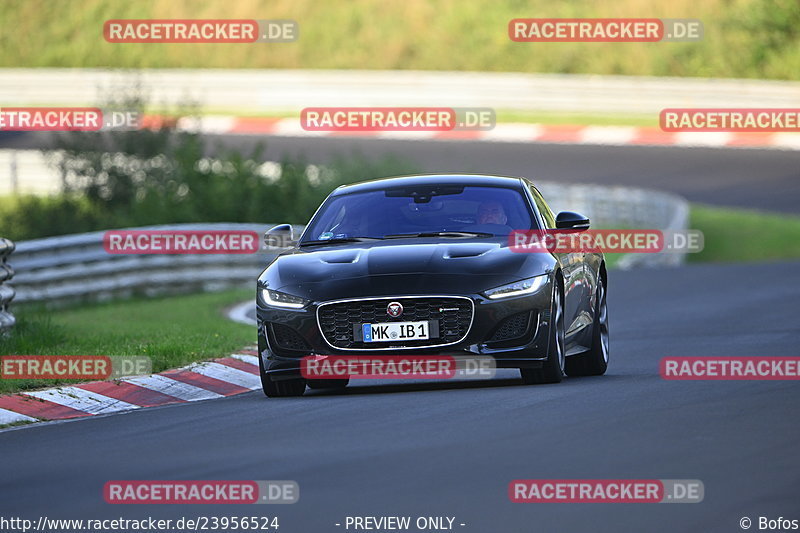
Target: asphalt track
(756, 179)
(451, 449)
(448, 449)
(750, 178)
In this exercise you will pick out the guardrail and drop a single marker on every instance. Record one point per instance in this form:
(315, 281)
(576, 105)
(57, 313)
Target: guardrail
(292, 90)
(75, 268)
(624, 208)
(7, 293)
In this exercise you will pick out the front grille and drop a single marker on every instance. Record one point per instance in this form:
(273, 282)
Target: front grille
(512, 327)
(288, 339)
(336, 320)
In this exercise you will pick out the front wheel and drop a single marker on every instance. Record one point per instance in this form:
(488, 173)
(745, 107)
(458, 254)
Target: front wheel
(280, 389)
(595, 361)
(327, 383)
(552, 370)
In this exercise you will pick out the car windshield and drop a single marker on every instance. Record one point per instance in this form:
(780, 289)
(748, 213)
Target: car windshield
(430, 209)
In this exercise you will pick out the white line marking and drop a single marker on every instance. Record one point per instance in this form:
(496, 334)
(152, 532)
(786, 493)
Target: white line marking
(171, 387)
(291, 127)
(786, 140)
(402, 135)
(702, 138)
(82, 400)
(213, 124)
(513, 133)
(227, 373)
(608, 134)
(240, 313)
(252, 359)
(9, 417)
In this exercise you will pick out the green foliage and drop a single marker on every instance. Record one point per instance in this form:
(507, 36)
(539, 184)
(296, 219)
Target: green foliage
(29, 216)
(146, 177)
(172, 331)
(742, 38)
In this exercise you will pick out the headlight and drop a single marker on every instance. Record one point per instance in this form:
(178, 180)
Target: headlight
(281, 299)
(518, 288)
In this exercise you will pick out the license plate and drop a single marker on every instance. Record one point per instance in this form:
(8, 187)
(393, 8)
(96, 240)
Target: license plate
(396, 331)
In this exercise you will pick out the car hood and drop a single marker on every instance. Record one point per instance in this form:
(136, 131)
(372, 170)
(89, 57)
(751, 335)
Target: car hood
(414, 266)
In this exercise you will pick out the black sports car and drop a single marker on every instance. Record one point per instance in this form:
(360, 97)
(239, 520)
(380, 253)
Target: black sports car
(431, 250)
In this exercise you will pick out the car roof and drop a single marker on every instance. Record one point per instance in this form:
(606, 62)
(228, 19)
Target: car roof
(475, 180)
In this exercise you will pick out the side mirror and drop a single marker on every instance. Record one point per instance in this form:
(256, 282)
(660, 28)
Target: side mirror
(570, 220)
(281, 236)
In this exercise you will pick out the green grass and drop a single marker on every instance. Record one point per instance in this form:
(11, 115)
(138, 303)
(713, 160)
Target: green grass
(171, 331)
(742, 38)
(739, 236)
(581, 119)
(502, 116)
(736, 235)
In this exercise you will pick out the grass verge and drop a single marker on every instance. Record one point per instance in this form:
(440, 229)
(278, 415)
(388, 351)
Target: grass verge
(737, 235)
(172, 331)
(741, 38)
(503, 116)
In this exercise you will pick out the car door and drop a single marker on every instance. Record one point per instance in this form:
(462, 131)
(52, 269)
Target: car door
(575, 286)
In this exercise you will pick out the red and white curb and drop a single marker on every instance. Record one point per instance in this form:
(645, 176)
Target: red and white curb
(228, 376)
(505, 132)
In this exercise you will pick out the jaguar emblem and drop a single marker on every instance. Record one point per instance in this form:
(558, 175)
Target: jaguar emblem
(394, 309)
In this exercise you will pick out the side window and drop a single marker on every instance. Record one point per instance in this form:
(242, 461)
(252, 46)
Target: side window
(549, 218)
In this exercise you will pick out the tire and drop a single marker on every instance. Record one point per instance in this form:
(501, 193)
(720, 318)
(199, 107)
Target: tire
(595, 361)
(552, 370)
(280, 389)
(327, 383)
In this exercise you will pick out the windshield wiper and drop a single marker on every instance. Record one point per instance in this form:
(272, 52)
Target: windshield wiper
(339, 240)
(439, 234)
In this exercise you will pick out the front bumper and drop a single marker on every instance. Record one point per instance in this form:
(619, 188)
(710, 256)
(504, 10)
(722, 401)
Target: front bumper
(281, 349)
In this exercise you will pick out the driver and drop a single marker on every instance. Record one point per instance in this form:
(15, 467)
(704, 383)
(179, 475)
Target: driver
(491, 213)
